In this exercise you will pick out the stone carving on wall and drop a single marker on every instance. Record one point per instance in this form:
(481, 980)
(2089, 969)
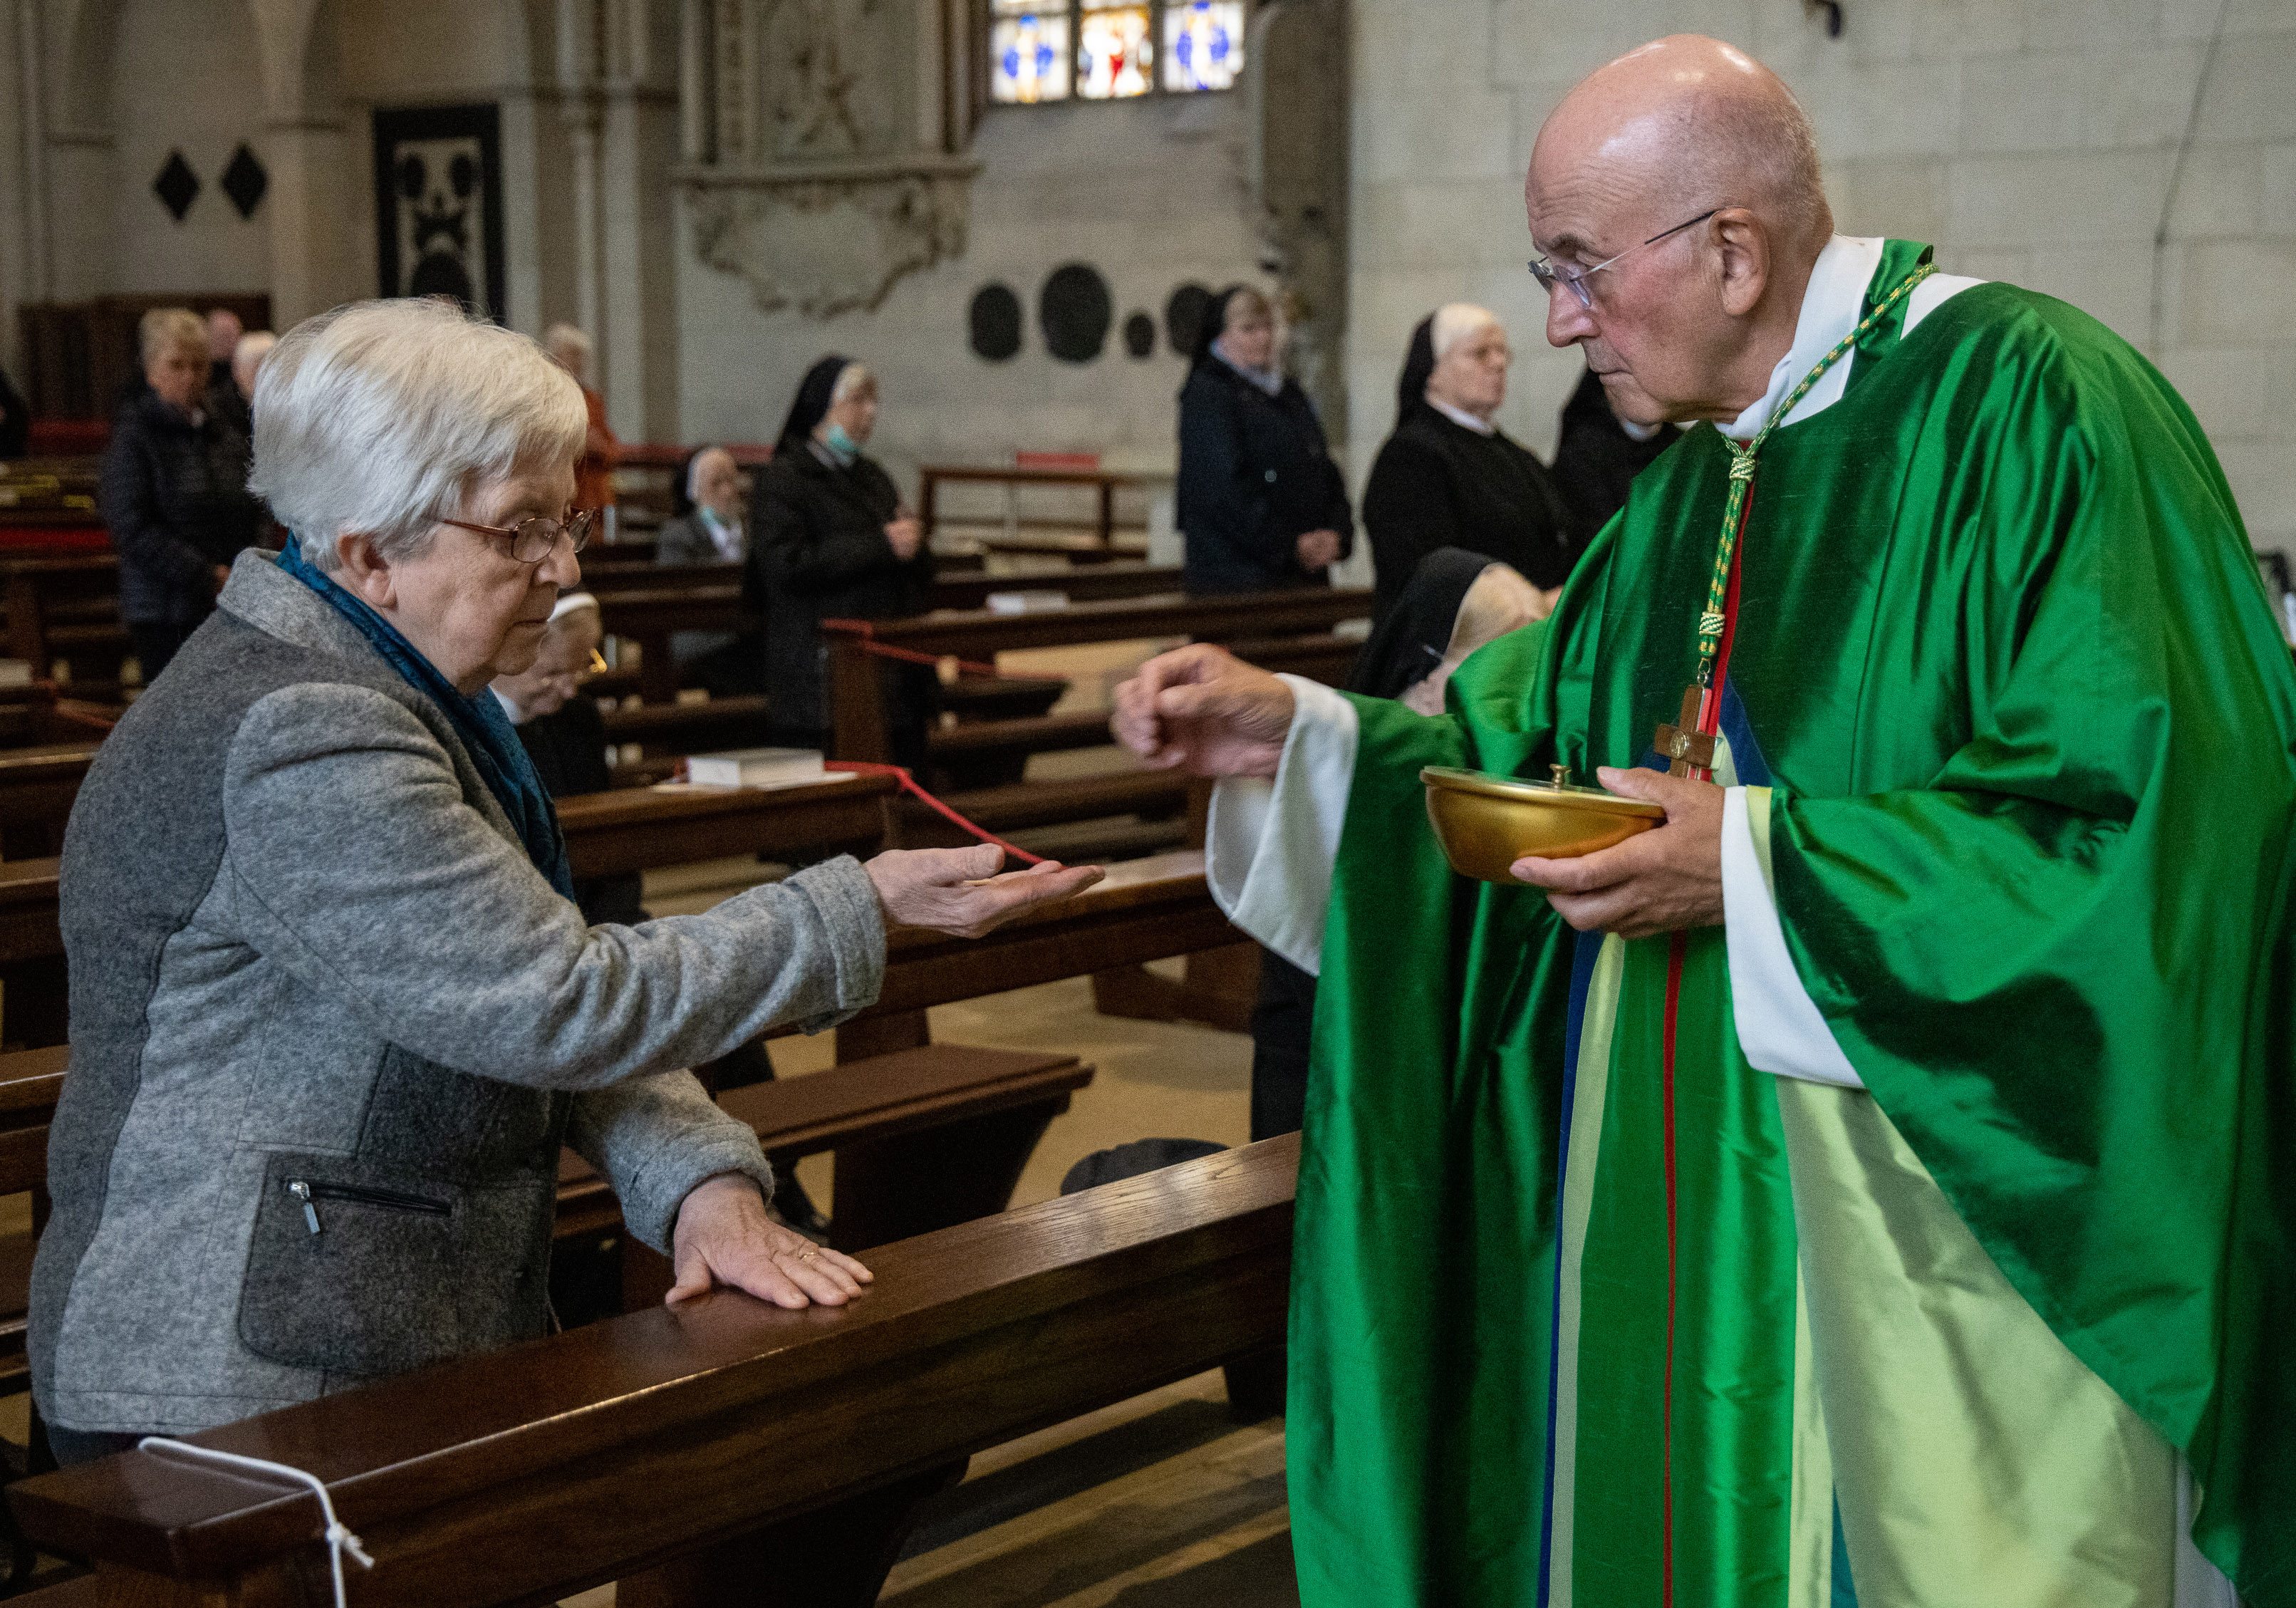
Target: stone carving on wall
(826, 169)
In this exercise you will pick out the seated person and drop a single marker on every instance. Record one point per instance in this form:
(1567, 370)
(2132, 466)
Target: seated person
(335, 1010)
(1448, 476)
(565, 736)
(705, 527)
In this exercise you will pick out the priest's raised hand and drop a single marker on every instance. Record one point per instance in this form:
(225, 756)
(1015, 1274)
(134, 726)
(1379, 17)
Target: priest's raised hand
(1202, 710)
(1661, 881)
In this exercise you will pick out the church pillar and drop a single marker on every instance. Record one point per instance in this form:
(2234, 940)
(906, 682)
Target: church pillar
(309, 273)
(578, 31)
(24, 261)
(638, 138)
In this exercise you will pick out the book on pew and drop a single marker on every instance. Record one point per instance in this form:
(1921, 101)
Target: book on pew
(1026, 602)
(758, 767)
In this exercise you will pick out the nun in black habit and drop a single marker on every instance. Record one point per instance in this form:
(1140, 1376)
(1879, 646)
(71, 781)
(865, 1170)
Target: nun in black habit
(830, 539)
(1449, 477)
(1260, 502)
(1598, 455)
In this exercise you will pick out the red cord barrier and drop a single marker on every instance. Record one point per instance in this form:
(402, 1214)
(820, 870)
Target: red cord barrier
(75, 709)
(866, 631)
(861, 767)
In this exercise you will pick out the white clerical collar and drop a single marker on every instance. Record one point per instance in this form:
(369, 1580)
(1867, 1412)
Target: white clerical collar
(1831, 306)
(1465, 420)
(1268, 379)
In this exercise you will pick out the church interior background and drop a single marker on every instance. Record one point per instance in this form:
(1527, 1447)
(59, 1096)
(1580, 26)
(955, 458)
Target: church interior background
(721, 190)
(1014, 211)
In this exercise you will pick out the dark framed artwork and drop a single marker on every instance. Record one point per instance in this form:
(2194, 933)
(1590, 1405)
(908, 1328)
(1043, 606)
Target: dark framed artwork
(439, 204)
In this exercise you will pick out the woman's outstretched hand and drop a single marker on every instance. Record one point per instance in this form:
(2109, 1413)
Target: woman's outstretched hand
(956, 890)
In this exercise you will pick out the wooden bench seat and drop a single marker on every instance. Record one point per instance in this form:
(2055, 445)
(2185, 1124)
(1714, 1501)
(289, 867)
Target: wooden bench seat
(993, 754)
(1089, 584)
(694, 1454)
(640, 829)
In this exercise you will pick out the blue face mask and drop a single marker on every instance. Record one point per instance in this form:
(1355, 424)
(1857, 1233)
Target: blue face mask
(843, 448)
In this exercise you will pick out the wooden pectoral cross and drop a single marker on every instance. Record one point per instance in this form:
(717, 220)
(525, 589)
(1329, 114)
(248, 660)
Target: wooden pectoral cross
(1683, 744)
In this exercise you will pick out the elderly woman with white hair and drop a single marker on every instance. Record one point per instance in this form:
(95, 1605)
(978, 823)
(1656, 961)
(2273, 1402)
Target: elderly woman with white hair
(1448, 476)
(333, 1010)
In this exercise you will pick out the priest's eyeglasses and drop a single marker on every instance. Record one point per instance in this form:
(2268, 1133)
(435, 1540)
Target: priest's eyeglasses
(1550, 274)
(533, 540)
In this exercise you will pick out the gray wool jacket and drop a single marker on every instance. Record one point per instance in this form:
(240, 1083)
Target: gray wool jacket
(330, 1028)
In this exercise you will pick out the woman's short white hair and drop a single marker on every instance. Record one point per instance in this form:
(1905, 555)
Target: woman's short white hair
(382, 416)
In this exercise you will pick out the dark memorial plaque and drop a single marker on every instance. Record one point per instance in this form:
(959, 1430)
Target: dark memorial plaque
(995, 320)
(1076, 309)
(1139, 335)
(1184, 317)
(439, 205)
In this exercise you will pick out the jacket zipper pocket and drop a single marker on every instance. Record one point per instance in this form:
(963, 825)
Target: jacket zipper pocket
(309, 1194)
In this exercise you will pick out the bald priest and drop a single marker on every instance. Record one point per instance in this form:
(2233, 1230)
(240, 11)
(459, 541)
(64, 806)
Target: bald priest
(1874, 1183)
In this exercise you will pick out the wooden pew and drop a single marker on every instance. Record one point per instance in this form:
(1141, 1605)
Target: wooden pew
(37, 786)
(1104, 482)
(638, 828)
(65, 608)
(993, 754)
(1094, 583)
(922, 1138)
(723, 1452)
(666, 733)
(1146, 909)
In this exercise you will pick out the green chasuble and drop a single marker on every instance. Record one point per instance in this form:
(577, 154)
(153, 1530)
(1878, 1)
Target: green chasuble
(1985, 1333)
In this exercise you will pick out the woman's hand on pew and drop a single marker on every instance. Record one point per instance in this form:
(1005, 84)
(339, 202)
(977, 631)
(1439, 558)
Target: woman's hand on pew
(956, 890)
(1203, 710)
(723, 1237)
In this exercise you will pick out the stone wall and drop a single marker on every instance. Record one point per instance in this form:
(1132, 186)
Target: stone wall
(2032, 141)
(1151, 193)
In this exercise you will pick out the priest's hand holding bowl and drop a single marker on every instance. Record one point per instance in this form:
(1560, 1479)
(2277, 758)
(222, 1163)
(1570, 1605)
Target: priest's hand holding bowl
(1203, 711)
(1660, 880)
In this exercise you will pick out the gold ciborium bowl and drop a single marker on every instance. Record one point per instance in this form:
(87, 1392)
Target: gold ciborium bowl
(1486, 823)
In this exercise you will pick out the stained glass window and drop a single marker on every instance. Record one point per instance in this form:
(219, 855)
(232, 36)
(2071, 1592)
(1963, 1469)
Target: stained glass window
(1105, 50)
(1203, 44)
(1115, 51)
(1028, 51)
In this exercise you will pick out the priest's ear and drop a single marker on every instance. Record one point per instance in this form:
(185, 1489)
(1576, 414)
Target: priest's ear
(1747, 259)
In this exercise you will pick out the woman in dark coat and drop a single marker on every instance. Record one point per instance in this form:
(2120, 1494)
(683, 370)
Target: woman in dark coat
(830, 539)
(1449, 477)
(174, 492)
(1260, 501)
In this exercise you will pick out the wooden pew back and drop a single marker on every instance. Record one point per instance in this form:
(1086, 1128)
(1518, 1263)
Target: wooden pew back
(549, 1467)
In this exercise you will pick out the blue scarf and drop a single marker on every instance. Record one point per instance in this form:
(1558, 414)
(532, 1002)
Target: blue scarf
(487, 733)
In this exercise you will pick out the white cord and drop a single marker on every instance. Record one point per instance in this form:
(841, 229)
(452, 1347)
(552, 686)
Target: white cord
(339, 1539)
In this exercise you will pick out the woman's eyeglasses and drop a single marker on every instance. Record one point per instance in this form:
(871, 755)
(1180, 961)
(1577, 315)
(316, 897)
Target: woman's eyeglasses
(533, 540)
(1551, 274)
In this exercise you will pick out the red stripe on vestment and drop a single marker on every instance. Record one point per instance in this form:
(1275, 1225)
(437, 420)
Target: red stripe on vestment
(1709, 721)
